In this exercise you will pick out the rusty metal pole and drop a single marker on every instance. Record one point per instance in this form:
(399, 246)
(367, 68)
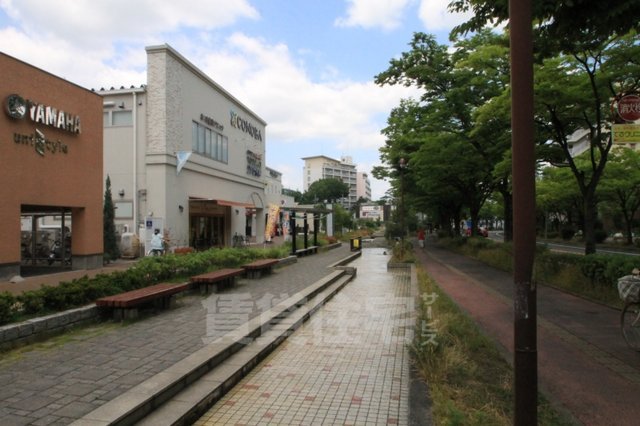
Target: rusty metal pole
(524, 219)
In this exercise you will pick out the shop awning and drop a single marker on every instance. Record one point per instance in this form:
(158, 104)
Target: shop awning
(235, 204)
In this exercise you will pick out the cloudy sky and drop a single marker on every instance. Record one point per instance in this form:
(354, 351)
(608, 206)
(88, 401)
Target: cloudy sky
(304, 66)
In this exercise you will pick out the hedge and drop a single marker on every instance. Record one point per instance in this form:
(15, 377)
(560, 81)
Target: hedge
(598, 270)
(147, 271)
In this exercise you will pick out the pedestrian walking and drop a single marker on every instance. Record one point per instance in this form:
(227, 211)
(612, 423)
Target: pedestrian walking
(421, 238)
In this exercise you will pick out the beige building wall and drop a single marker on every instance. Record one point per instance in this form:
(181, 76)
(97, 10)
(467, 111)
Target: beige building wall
(176, 96)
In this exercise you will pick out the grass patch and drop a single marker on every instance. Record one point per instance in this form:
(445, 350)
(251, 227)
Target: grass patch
(75, 334)
(470, 383)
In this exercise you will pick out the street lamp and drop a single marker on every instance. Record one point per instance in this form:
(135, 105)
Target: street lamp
(402, 165)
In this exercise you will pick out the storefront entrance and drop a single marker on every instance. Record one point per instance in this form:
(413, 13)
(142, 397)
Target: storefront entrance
(207, 224)
(45, 240)
(206, 232)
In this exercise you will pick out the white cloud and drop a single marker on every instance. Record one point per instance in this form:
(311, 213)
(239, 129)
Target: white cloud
(98, 22)
(435, 15)
(269, 80)
(386, 14)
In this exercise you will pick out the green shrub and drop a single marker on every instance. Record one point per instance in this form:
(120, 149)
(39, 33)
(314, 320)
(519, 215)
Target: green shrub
(567, 233)
(32, 302)
(7, 307)
(600, 235)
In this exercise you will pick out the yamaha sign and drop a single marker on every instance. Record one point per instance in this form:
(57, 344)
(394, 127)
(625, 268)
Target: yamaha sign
(19, 108)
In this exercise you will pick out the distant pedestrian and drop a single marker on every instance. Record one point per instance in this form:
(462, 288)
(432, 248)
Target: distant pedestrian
(157, 244)
(421, 238)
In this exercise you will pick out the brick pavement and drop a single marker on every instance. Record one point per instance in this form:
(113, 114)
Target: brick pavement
(57, 385)
(348, 365)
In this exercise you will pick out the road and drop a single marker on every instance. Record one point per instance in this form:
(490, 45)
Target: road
(571, 248)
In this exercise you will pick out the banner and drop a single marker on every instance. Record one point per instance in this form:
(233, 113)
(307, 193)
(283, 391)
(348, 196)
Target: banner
(182, 157)
(272, 217)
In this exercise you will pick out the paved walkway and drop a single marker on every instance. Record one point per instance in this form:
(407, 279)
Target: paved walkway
(55, 385)
(584, 364)
(348, 365)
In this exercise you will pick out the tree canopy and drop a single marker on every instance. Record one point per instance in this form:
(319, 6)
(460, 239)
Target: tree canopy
(560, 25)
(326, 190)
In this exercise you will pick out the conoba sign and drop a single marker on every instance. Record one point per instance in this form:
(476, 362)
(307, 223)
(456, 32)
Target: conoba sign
(19, 108)
(244, 125)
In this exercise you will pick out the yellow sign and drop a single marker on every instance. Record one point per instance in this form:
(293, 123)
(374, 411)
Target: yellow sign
(626, 133)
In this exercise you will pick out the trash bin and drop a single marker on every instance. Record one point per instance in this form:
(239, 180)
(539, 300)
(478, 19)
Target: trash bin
(355, 243)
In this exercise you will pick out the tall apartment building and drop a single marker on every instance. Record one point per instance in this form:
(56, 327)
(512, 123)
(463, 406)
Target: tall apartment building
(322, 167)
(363, 186)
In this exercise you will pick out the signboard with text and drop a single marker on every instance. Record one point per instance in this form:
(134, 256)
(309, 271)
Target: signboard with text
(626, 133)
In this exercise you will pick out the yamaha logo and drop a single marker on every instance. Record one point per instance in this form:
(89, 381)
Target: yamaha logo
(16, 107)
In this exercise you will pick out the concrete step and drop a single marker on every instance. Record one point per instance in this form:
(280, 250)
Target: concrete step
(191, 403)
(247, 345)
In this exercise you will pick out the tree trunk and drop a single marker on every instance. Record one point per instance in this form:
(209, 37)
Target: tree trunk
(507, 198)
(629, 225)
(590, 216)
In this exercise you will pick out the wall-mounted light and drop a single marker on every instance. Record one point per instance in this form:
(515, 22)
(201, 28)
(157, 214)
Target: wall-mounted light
(121, 193)
(237, 211)
(121, 105)
(180, 208)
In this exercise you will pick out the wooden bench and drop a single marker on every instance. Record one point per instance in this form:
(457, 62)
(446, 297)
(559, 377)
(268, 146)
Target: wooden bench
(216, 280)
(257, 267)
(307, 251)
(125, 305)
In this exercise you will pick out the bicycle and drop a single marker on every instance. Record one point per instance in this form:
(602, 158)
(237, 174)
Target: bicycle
(239, 241)
(629, 290)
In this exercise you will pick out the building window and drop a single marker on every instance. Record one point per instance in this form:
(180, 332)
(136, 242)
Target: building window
(121, 118)
(209, 143)
(117, 118)
(123, 209)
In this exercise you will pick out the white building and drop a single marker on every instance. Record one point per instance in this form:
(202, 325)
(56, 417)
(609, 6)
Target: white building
(322, 167)
(184, 155)
(273, 189)
(363, 186)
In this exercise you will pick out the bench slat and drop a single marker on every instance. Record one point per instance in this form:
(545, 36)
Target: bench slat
(141, 295)
(261, 263)
(220, 274)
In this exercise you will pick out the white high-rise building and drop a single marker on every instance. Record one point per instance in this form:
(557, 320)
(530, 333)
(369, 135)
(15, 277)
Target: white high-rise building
(322, 167)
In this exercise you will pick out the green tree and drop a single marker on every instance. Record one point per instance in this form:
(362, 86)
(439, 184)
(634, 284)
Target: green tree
(111, 249)
(326, 190)
(621, 186)
(558, 200)
(456, 84)
(560, 25)
(342, 219)
(573, 94)
(355, 209)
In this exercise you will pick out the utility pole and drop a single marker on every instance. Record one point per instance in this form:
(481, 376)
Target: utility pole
(524, 220)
